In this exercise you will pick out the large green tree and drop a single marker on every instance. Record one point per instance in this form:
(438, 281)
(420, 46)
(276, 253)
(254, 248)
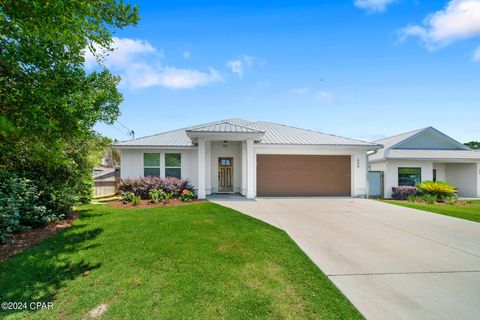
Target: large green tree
(48, 102)
(473, 144)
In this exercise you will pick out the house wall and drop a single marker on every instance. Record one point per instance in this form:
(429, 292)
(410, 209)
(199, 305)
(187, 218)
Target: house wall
(391, 172)
(465, 177)
(234, 150)
(132, 163)
(441, 171)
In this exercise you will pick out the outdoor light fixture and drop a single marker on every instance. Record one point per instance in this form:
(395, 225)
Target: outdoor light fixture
(225, 144)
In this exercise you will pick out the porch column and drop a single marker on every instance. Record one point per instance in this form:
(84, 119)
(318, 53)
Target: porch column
(250, 169)
(243, 190)
(201, 168)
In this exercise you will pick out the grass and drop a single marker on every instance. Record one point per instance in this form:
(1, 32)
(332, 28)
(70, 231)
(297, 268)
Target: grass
(201, 261)
(468, 211)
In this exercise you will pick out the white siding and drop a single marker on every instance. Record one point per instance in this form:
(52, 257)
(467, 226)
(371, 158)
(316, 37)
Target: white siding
(132, 163)
(391, 172)
(441, 173)
(464, 176)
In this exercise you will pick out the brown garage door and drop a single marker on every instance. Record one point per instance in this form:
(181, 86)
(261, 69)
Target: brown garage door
(303, 175)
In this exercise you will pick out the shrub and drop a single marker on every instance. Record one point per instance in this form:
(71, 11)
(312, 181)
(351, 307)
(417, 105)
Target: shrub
(450, 200)
(127, 197)
(412, 198)
(156, 195)
(136, 200)
(167, 196)
(21, 206)
(441, 190)
(403, 192)
(142, 186)
(429, 198)
(186, 195)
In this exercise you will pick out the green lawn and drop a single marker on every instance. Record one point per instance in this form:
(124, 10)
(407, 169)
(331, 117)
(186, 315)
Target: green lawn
(468, 211)
(201, 261)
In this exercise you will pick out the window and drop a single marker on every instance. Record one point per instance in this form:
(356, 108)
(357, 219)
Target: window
(409, 176)
(151, 164)
(434, 175)
(173, 165)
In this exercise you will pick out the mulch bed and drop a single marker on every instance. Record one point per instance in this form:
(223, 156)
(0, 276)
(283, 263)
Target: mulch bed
(149, 204)
(22, 240)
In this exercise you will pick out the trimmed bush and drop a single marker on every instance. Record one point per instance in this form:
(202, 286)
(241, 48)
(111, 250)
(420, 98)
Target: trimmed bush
(142, 186)
(404, 192)
(441, 190)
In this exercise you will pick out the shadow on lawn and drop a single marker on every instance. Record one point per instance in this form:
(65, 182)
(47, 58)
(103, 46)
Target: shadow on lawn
(37, 274)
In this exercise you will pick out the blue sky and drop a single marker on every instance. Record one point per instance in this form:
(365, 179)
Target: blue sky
(364, 69)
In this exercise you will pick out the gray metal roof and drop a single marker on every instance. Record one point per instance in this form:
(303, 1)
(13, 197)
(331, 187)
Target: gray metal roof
(276, 134)
(224, 127)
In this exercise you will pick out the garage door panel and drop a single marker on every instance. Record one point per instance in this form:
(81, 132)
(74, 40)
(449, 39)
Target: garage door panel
(303, 175)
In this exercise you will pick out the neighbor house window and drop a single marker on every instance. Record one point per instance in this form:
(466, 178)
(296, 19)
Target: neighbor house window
(173, 165)
(151, 164)
(409, 176)
(434, 175)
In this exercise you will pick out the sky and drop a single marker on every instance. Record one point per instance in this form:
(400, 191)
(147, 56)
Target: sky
(363, 69)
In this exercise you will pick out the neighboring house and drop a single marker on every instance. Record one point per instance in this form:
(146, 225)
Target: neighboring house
(427, 154)
(254, 158)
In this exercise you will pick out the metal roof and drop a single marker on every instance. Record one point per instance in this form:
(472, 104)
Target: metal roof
(276, 134)
(390, 148)
(224, 127)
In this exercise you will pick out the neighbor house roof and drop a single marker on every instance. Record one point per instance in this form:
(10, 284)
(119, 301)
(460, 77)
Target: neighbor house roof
(426, 143)
(274, 134)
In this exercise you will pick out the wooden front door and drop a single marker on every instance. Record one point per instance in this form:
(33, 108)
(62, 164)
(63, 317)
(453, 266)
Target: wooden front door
(225, 174)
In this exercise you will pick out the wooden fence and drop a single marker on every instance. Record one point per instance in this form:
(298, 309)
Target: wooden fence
(106, 183)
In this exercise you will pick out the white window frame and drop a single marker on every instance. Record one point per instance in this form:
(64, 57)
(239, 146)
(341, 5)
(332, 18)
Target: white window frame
(153, 167)
(169, 167)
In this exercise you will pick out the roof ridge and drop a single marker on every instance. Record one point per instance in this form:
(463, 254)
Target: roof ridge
(401, 134)
(181, 129)
(328, 134)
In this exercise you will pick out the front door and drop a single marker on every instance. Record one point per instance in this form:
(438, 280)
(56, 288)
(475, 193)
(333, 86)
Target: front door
(225, 174)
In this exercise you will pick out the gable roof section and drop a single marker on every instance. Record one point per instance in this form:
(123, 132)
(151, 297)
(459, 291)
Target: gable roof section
(425, 143)
(275, 134)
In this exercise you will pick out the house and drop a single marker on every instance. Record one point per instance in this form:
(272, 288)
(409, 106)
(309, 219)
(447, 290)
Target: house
(427, 154)
(253, 158)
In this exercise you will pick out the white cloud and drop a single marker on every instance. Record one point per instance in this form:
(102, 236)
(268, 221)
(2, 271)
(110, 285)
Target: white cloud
(460, 19)
(301, 91)
(238, 66)
(476, 55)
(325, 97)
(373, 5)
(139, 65)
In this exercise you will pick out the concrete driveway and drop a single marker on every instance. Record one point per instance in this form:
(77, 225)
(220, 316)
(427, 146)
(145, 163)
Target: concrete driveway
(391, 262)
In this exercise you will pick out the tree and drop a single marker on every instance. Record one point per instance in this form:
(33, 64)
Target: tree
(473, 144)
(48, 103)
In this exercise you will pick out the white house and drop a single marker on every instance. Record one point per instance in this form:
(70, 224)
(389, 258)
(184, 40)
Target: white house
(253, 158)
(427, 154)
